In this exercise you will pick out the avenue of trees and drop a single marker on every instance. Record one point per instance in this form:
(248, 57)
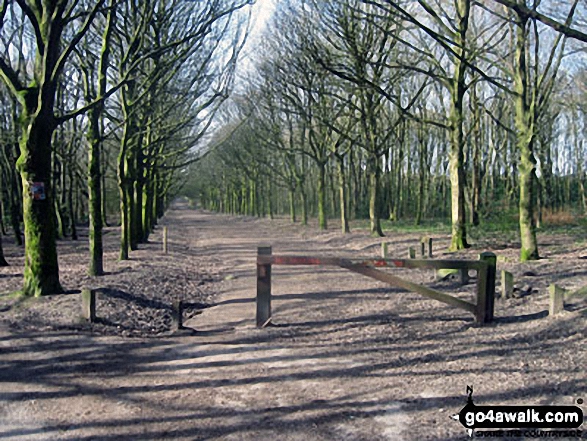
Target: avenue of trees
(378, 109)
(103, 101)
(392, 109)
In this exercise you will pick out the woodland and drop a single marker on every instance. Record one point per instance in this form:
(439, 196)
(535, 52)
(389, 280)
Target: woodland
(103, 102)
(465, 112)
(461, 111)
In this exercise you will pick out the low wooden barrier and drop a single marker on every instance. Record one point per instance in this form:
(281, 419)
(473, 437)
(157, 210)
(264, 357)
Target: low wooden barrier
(485, 267)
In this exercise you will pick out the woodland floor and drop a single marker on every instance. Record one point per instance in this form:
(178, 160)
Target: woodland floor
(350, 359)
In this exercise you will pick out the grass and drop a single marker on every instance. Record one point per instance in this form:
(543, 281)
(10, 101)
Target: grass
(503, 226)
(439, 226)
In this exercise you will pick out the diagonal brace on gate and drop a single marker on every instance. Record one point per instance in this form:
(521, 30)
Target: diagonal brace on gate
(485, 267)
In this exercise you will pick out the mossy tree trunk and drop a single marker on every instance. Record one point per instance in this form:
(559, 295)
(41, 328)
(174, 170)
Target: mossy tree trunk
(37, 95)
(96, 267)
(342, 188)
(524, 121)
(71, 197)
(322, 221)
(475, 197)
(374, 203)
(456, 155)
(3, 261)
(123, 188)
(292, 204)
(41, 271)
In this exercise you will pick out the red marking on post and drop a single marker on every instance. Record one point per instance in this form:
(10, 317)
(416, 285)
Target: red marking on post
(379, 263)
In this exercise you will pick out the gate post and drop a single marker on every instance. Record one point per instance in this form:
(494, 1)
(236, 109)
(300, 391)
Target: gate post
(263, 288)
(486, 289)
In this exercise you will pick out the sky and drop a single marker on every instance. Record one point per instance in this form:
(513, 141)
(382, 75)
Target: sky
(261, 14)
(262, 11)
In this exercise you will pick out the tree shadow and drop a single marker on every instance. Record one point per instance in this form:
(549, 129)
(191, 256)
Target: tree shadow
(524, 318)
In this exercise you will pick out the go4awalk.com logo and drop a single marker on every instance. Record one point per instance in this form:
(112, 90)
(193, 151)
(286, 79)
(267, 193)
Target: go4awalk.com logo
(516, 421)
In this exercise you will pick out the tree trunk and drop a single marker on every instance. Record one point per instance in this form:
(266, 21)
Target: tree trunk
(524, 121)
(41, 271)
(124, 206)
(70, 203)
(103, 208)
(322, 222)
(457, 181)
(374, 203)
(475, 163)
(132, 177)
(529, 249)
(292, 205)
(421, 175)
(16, 210)
(304, 205)
(269, 199)
(457, 172)
(3, 261)
(344, 218)
(96, 267)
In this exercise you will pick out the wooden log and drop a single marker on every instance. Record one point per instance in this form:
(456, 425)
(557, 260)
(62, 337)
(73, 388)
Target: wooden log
(89, 305)
(423, 290)
(486, 288)
(411, 253)
(301, 260)
(263, 288)
(177, 315)
(165, 240)
(384, 250)
(400, 263)
(507, 284)
(557, 299)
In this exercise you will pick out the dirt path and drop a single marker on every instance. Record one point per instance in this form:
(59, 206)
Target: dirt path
(351, 359)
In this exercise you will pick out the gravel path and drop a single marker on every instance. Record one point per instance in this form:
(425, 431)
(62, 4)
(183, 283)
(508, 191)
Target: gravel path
(349, 359)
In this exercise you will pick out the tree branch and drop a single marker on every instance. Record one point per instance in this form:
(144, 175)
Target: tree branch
(523, 11)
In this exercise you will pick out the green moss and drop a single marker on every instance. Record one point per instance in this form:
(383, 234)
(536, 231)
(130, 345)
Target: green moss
(444, 273)
(528, 254)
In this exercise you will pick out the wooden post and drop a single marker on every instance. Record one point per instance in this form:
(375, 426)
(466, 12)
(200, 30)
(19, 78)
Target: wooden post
(486, 289)
(89, 305)
(423, 248)
(384, 250)
(411, 253)
(165, 240)
(507, 284)
(430, 247)
(557, 299)
(177, 315)
(263, 289)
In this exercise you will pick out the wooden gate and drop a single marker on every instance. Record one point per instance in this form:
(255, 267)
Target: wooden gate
(485, 267)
